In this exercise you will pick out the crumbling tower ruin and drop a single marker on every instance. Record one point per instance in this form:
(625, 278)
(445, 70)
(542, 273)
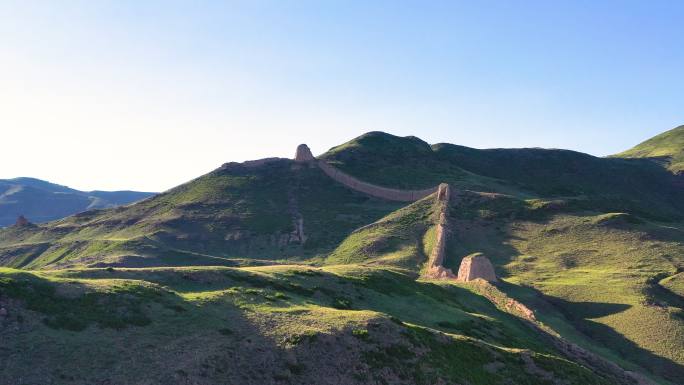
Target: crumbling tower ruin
(476, 266)
(22, 221)
(303, 154)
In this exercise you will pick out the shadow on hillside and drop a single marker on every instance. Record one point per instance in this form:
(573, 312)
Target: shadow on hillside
(664, 232)
(489, 238)
(180, 342)
(302, 287)
(580, 315)
(449, 309)
(659, 295)
(586, 310)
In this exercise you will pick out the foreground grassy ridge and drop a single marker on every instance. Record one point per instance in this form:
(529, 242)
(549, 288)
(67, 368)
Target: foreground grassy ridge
(339, 324)
(235, 212)
(668, 147)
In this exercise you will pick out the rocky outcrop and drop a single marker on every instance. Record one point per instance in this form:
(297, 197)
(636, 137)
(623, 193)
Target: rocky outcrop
(476, 266)
(435, 266)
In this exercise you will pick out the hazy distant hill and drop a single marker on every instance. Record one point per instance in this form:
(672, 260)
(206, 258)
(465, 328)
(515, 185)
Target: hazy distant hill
(41, 201)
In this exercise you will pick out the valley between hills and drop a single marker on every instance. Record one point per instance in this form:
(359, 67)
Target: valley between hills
(385, 260)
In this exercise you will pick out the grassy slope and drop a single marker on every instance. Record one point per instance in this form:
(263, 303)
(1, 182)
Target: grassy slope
(598, 183)
(332, 325)
(407, 163)
(668, 145)
(674, 283)
(232, 213)
(601, 280)
(597, 269)
(597, 274)
(395, 240)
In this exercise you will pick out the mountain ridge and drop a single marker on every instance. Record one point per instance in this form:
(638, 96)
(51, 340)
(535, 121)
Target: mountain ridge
(43, 201)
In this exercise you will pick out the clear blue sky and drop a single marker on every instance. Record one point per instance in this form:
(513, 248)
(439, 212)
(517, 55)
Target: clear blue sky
(148, 94)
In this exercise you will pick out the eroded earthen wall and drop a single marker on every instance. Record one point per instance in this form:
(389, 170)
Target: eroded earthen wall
(371, 189)
(435, 266)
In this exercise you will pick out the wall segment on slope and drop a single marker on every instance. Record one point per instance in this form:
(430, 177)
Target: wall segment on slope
(371, 189)
(435, 266)
(304, 155)
(472, 267)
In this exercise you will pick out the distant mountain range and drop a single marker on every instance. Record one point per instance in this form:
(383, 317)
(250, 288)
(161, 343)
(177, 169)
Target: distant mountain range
(42, 201)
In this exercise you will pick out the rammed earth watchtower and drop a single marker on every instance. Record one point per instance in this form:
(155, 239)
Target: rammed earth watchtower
(303, 154)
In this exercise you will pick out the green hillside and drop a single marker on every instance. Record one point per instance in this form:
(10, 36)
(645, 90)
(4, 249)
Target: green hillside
(235, 212)
(305, 325)
(605, 183)
(667, 147)
(606, 281)
(401, 239)
(276, 260)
